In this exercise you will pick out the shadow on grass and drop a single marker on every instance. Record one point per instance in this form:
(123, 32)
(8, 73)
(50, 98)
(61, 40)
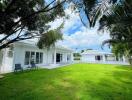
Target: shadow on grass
(116, 87)
(35, 85)
(125, 67)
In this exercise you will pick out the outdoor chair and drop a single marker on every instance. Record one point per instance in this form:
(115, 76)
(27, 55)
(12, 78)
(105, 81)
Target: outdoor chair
(18, 68)
(33, 65)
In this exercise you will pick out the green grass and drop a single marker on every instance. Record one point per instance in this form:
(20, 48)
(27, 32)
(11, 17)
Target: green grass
(74, 82)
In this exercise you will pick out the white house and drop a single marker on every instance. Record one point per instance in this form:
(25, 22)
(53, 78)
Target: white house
(23, 52)
(95, 56)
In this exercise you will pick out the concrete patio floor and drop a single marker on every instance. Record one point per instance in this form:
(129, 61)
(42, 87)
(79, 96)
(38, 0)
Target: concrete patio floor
(52, 66)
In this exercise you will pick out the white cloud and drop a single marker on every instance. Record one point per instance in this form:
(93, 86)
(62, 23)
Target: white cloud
(84, 39)
(56, 23)
(81, 38)
(71, 23)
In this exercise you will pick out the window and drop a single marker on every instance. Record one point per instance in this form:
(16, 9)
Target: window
(33, 57)
(37, 57)
(32, 60)
(98, 57)
(41, 57)
(27, 57)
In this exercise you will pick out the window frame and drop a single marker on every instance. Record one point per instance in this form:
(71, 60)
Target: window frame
(25, 62)
(41, 58)
(36, 57)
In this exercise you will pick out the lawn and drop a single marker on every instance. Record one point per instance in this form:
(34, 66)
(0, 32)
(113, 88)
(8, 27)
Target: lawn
(74, 82)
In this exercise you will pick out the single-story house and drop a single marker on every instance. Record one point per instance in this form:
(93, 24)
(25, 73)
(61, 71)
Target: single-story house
(26, 51)
(96, 56)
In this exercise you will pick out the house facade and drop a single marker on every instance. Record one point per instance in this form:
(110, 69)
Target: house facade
(25, 52)
(94, 56)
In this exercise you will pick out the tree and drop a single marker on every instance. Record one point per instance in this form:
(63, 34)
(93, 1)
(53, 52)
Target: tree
(76, 55)
(82, 51)
(118, 22)
(25, 19)
(90, 11)
(49, 38)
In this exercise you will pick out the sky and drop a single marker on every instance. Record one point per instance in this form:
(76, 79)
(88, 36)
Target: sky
(77, 36)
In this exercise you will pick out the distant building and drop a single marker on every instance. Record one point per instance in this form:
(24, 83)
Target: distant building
(95, 56)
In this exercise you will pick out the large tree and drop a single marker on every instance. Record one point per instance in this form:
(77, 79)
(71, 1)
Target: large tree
(26, 19)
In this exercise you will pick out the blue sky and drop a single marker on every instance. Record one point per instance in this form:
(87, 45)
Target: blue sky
(77, 36)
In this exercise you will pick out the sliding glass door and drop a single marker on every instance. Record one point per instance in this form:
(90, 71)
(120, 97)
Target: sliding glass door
(33, 57)
(58, 57)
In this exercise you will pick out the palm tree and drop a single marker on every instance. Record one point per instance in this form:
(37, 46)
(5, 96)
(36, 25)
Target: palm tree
(91, 10)
(118, 20)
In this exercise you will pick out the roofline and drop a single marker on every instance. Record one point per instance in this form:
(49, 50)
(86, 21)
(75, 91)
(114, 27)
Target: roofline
(33, 45)
(97, 52)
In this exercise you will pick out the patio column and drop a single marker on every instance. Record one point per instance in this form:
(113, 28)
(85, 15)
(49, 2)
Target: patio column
(124, 60)
(71, 57)
(104, 58)
(54, 55)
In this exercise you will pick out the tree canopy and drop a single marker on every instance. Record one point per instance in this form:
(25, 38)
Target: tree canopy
(118, 20)
(49, 38)
(25, 19)
(91, 10)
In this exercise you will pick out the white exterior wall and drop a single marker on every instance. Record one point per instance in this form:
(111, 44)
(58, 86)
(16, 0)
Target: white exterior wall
(19, 54)
(88, 58)
(103, 58)
(64, 57)
(111, 58)
(91, 57)
(6, 61)
(48, 54)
